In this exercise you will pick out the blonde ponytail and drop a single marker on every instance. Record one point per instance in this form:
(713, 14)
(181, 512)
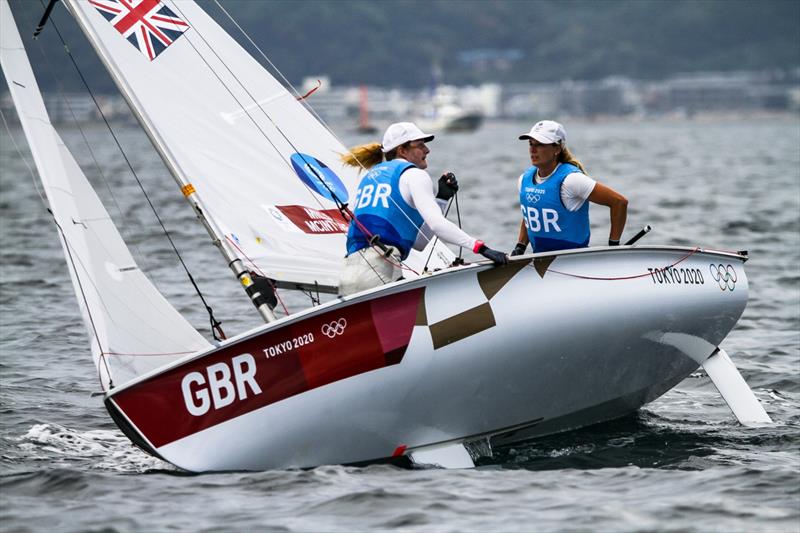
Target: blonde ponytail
(363, 156)
(565, 156)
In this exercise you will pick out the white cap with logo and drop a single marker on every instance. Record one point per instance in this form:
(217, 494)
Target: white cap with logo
(401, 133)
(547, 132)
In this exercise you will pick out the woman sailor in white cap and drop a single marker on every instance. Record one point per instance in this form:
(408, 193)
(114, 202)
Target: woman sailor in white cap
(553, 195)
(395, 201)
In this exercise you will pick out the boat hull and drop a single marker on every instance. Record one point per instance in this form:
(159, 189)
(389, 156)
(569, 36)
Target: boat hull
(543, 345)
(461, 122)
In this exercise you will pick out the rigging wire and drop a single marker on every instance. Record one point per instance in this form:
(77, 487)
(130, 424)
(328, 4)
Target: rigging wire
(252, 119)
(68, 248)
(433, 248)
(102, 353)
(458, 214)
(241, 105)
(458, 260)
(343, 208)
(620, 278)
(340, 205)
(24, 160)
(74, 260)
(314, 299)
(216, 325)
(86, 142)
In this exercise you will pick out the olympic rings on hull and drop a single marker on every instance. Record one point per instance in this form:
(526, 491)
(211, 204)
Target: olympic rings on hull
(725, 275)
(334, 328)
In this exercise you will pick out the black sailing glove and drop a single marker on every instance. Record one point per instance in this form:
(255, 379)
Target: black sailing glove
(519, 249)
(498, 258)
(448, 185)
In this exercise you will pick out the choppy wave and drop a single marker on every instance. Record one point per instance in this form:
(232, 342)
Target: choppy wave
(102, 450)
(682, 463)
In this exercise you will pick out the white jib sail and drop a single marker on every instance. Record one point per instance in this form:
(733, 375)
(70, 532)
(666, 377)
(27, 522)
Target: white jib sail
(265, 168)
(132, 328)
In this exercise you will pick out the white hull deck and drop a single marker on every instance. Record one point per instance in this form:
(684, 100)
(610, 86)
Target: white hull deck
(545, 344)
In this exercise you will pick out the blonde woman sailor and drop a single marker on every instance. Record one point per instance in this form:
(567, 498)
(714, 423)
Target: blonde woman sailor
(554, 194)
(395, 204)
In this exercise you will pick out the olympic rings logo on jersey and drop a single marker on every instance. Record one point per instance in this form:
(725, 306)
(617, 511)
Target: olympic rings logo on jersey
(533, 198)
(725, 275)
(334, 328)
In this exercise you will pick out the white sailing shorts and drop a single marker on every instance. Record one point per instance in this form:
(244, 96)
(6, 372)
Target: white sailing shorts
(368, 268)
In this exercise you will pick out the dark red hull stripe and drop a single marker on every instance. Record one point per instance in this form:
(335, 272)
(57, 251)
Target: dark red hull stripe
(271, 367)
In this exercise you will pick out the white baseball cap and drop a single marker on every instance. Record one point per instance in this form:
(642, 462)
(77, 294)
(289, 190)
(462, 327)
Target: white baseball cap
(547, 132)
(401, 133)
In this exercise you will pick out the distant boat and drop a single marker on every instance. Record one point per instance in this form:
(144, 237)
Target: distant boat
(444, 113)
(364, 125)
(451, 118)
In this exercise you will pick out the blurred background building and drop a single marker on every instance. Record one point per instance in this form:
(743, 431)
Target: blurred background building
(684, 95)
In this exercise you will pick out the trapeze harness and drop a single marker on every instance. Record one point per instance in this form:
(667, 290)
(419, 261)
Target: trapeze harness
(551, 226)
(381, 210)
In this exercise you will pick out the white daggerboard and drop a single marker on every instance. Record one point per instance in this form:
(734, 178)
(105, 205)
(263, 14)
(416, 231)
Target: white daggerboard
(735, 390)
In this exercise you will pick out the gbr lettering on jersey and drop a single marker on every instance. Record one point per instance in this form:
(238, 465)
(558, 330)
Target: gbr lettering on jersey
(536, 219)
(381, 210)
(372, 195)
(551, 226)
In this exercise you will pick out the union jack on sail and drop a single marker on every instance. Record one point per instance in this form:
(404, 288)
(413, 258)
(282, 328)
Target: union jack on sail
(147, 24)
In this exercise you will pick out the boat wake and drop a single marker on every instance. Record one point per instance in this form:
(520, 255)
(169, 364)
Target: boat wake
(101, 449)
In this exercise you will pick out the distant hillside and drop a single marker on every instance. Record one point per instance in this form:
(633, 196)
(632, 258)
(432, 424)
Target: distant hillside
(397, 43)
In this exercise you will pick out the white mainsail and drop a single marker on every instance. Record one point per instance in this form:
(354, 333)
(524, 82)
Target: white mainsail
(266, 170)
(133, 329)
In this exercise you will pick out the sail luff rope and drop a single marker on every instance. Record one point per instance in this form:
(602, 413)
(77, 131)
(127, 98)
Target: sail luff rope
(216, 326)
(324, 124)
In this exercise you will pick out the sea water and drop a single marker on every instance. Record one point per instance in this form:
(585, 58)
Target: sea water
(682, 463)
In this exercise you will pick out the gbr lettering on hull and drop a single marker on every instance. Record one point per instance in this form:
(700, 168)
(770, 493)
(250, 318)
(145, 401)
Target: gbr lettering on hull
(220, 384)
